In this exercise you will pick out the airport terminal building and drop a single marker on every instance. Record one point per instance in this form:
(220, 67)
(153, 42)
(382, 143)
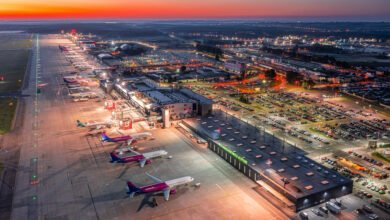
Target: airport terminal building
(153, 99)
(264, 158)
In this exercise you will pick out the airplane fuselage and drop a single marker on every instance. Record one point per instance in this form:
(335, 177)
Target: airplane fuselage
(165, 185)
(118, 156)
(153, 188)
(120, 139)
(133, 158)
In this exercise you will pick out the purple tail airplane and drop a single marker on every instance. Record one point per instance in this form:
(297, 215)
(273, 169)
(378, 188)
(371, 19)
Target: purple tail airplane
(127, 138)
(167, 187)
(126, 155)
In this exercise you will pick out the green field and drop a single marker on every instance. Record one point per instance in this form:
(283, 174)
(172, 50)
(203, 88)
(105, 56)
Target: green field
(14, 53)
(12, 68)
(7, 111)
(15, 41)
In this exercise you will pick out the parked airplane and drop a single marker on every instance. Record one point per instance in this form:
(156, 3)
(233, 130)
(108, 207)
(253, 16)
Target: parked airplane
(127, 138)
(80, 88)
(97, 131)
(95, 124)
(125, 155)
(84, 94)
(63, 48)
(167, 187)
(73, 79)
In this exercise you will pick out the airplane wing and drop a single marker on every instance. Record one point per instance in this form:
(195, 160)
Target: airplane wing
(166, 192)
(130, 141)
(120, 132)
(135, 152)
(154, 178)
(142, 162)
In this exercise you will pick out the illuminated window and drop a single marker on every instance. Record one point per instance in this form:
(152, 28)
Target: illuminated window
(324, 182)
(309, 187)
(309, 174)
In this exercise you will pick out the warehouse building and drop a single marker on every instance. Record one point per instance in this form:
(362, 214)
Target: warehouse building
(264, 158)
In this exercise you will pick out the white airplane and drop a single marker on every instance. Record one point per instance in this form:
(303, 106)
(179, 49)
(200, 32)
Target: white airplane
(80, 63)
(167, 187)
(96, 124)
(95, 132)
(129, 139)
(126, 155)
(84, 88)
(84, 94)
(81, 99)
(73, 79)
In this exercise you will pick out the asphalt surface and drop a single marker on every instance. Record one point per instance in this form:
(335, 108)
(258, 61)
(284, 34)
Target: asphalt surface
(63, 174)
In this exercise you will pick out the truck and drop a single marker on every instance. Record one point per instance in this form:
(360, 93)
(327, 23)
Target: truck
(333, 207)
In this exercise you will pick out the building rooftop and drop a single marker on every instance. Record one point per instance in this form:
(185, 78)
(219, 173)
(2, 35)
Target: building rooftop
(159, 97)
(196, 96)
(270, 156)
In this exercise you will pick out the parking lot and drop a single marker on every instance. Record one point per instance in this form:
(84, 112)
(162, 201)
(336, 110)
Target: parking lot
(351, 208)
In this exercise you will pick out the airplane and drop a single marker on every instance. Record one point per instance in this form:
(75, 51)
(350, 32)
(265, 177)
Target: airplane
(167, 187)
(63, 48)
(76, 81)
(127, 138)
(95, 124)
(83, 88)
(125, 155)
(96, 131)
(72, 79)
(73, 85)
(84, 94)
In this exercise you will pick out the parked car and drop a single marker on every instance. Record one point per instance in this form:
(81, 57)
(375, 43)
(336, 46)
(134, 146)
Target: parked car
(304, 216)
(367, 209)
(324, 209)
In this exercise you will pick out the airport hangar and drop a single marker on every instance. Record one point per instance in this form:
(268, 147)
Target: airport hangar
(280, 165)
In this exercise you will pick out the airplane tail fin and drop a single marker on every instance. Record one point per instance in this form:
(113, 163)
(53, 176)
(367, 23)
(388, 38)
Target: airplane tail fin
(80, 124)
(105, 137)
(132, 188)
(114, 157)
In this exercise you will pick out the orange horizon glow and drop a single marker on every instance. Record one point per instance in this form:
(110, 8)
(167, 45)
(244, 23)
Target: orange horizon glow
(46, 9)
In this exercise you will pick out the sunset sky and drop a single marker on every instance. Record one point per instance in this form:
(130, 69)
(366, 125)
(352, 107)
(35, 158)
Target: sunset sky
(44, 9)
